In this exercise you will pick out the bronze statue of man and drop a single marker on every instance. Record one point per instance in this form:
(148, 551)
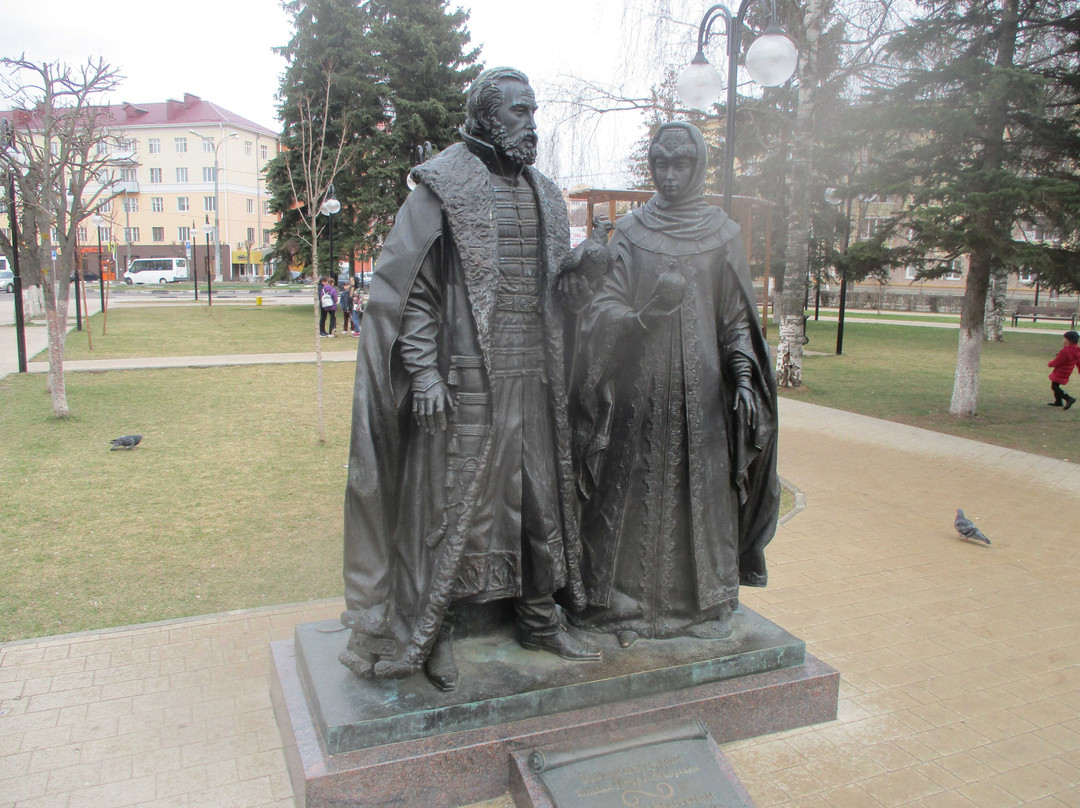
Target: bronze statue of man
(460, 483)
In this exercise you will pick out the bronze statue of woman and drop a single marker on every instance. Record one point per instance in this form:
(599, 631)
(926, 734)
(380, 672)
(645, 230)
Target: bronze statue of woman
(674, 408)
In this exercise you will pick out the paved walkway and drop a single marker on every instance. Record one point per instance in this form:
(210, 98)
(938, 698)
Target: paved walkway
(960, 664)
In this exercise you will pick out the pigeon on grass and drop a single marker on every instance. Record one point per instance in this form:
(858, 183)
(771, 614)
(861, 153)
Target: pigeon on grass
(966, 528)
(125, 442)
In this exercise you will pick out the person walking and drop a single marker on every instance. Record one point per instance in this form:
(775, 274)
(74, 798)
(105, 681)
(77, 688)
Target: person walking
(345, 307)
(1067, 359)
(356, 310)
(328, 300)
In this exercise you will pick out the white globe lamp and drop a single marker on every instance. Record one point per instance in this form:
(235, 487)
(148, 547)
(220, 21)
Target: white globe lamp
(700, 84)
(772, 58)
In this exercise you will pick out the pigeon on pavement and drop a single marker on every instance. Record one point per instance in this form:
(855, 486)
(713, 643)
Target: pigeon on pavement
(966, 528)
(125, 442)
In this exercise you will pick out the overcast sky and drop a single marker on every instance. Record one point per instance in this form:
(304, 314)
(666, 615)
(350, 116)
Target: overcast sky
(221, 50)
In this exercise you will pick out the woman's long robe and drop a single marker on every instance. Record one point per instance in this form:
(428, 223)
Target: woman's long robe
(681, 496)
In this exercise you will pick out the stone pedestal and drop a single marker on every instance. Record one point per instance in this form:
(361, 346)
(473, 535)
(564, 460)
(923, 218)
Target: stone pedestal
(403, 743)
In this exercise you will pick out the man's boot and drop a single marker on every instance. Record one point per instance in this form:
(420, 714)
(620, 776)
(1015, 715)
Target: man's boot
(439, 666)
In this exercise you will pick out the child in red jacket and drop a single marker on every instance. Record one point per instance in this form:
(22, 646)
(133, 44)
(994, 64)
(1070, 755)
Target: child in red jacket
(1068, 358)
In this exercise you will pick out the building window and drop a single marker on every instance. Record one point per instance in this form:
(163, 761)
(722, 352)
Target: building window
(250, 205)
(131, 204)
(155, 145)
(251, 234)
(183, 234)
(155, 176)
(208, 174)
(910, 273)
(129, 175)
(957, 271)
(266, 207)
(104, 234)
(182, 203)
(106, 207)
(263, 153)
(157, 233)
(181, 145)
(102, 148)
(1026, 276)
(81, 235)
(128, 145)
(208, 144)
(247, 148)
(181, 175)
(208, 204)
(266, 237)
(157, 204)
(871, 226)
(131, 235)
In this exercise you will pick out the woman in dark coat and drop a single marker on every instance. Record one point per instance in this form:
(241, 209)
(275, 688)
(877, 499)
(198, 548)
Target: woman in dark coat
(675, 427)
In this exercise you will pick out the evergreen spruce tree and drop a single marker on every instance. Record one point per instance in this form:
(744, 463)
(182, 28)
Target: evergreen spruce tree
(981, 138)
(397, 72)
(423, 56)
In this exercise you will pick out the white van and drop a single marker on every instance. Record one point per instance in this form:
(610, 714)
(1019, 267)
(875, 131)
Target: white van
(156, 270)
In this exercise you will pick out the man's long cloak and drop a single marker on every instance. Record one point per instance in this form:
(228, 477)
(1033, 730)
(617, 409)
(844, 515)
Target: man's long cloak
(411, 498)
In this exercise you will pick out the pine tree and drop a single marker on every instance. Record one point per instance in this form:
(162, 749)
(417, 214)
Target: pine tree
(981, 138)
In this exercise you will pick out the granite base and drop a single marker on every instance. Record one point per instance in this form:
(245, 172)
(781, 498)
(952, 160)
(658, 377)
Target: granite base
(464, 753)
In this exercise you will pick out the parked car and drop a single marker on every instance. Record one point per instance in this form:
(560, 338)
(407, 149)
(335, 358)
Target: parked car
(7, 280)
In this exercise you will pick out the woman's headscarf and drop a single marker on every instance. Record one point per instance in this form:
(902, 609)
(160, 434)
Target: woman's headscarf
(688, 224)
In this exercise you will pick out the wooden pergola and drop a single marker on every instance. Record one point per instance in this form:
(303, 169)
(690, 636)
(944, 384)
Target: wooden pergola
(744, 210)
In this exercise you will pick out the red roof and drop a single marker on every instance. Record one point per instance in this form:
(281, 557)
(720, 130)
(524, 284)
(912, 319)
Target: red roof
(191, 111)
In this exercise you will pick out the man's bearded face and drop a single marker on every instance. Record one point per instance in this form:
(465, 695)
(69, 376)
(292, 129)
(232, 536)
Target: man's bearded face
(513, 131)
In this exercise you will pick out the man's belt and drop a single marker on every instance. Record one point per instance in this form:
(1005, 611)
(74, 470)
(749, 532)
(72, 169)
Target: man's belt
(523, 303)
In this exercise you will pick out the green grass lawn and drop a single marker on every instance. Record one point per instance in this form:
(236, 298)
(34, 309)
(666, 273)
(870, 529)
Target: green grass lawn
(905, 374)
(232, 502)
(196, 331)
(229, 502)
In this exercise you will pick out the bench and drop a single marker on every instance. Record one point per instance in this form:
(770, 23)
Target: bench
(1036, 313)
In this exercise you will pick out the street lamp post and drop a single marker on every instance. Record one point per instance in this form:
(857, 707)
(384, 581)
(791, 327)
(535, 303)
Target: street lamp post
(208, 229)
(217, 205)
(771, 60)
(99, 222)
(16, 162)
(834, 197)
(329, 207)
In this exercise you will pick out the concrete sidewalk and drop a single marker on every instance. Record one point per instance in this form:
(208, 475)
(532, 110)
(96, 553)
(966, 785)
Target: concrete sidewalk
(959, 663)
(307, 357)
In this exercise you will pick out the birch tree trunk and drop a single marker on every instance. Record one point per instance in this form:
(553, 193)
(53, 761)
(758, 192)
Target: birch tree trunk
(791, 325)
(995, 305)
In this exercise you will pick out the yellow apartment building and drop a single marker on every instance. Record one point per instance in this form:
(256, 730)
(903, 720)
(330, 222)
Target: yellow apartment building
(164, 158)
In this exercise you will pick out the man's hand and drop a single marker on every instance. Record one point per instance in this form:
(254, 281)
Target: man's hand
(573, 291)
(431, 407)
(744, 400)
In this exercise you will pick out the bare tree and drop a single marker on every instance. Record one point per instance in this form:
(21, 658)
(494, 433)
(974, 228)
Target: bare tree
(310, 166)
(66, 135)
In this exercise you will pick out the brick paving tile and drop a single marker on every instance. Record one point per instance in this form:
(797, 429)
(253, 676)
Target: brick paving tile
(958, 663)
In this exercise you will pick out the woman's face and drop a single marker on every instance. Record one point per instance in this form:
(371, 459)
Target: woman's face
(672, 176)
